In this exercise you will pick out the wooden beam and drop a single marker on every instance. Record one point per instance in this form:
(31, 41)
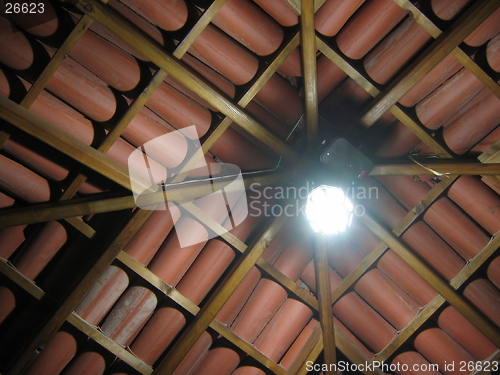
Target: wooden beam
(108, 202)
(296, 5)
(193, 309)
(437, 51)
(413, 215)
(346, 346)
(198, 28)
(308, 37)
(114, 23)
(35, 291)
(397, 110)
(435, 167)
(109, 344)
(243, 102)
(62, 141)
(482, 323)
(82, 288)
(324, 295)
(490, 251)
(491, 155)
(458, 53)
(141, 100)
(217, 300)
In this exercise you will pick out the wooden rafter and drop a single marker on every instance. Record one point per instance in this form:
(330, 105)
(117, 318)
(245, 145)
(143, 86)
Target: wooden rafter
(35, 291)
(114, 23)
(411, 217)
(108, 202)
(481, 322)
(243, 102)
(67, 144)
(483, 257)
(458, 53)
(193, 309)
(82, 288)
(436, 167)
(397, 110)
(308, 44)
(217, 300)
(433, 55)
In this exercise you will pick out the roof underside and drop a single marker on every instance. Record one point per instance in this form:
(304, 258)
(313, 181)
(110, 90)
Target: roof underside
(90, 283)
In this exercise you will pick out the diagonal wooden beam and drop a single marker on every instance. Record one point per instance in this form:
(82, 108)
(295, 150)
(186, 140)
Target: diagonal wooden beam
(114, 23)
(82, 288)
(490, 251)
(177, 297)
(458, 53)
(437, 51)
(397, 110)
(35, 291)
(411, 217)
(217, 300)
(243, 102)
(108, 202)
(346, 346)
(141, 100)
(482, 323)
(435, 167)
(308, 37)
(67, 144)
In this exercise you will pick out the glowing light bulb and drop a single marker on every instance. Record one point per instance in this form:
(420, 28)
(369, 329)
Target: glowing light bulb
(328, 210)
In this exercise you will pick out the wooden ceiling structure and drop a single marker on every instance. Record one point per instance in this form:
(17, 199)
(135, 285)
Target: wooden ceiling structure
(55, 307)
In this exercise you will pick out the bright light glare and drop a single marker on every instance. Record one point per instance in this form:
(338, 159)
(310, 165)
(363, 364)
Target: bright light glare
(328, 210)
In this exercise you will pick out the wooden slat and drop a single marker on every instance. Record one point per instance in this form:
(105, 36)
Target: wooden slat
(243, 102)
(217, 300)
(108, 202)
(413, 215)
(458, 53)
(198, 28)
(437, 51)
(192, 308)
(110, 20)
(35, 291)
(20, 280)
(482, 323)
(437, 167)
(81, 289)
(56, 60)
(118, 129)
(308, 48)
(490, 251)
(324, 294)
(396, 109)
(119, 351)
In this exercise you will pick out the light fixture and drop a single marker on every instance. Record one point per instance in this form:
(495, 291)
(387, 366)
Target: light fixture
(328, 210)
